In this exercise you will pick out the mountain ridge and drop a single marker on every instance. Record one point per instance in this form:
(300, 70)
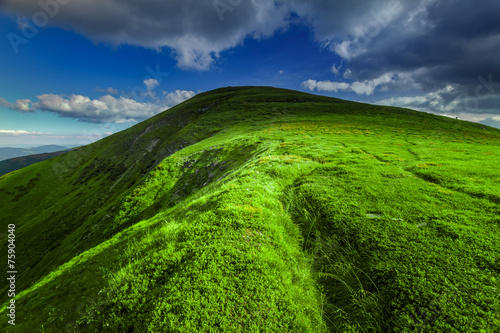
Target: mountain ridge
(190, 159)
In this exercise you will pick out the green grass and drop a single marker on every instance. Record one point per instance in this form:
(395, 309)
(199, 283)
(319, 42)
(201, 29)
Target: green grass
(263, 210)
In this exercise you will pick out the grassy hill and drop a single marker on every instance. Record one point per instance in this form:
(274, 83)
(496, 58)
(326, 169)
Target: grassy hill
(256, 209)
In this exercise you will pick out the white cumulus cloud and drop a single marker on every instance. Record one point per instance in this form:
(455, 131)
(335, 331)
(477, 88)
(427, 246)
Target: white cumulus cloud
(366, 87)
(104, 109)
(177, 96)
(151, 83)
(21, 105)
(329, 86)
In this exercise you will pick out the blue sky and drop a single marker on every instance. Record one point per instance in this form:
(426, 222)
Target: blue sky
(74, 71)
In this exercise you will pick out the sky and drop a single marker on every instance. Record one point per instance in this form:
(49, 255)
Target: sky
(75, 71)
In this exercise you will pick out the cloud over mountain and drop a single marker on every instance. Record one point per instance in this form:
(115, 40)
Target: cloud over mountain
(408, 48)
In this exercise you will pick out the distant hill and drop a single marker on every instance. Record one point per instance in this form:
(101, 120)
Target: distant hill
(17, 163)
(256, 209)
(10, 152)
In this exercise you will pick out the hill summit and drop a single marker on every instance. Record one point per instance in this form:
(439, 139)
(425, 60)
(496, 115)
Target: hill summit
(257, 209)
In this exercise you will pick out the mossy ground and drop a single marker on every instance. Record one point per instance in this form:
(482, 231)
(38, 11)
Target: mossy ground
(263, 210)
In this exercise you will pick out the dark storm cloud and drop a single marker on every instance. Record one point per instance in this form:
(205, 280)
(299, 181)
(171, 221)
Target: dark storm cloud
(458, 41)
(445, 52)
(196, 30)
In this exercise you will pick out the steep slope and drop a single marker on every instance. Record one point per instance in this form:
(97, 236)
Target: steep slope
(262, 209)
(83, 188)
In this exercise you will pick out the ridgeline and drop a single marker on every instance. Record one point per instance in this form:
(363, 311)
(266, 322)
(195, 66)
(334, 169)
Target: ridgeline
(256, 209)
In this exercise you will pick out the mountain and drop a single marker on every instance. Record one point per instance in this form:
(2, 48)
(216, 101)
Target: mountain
(17, 163)
(11, 152)
(249, 209)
